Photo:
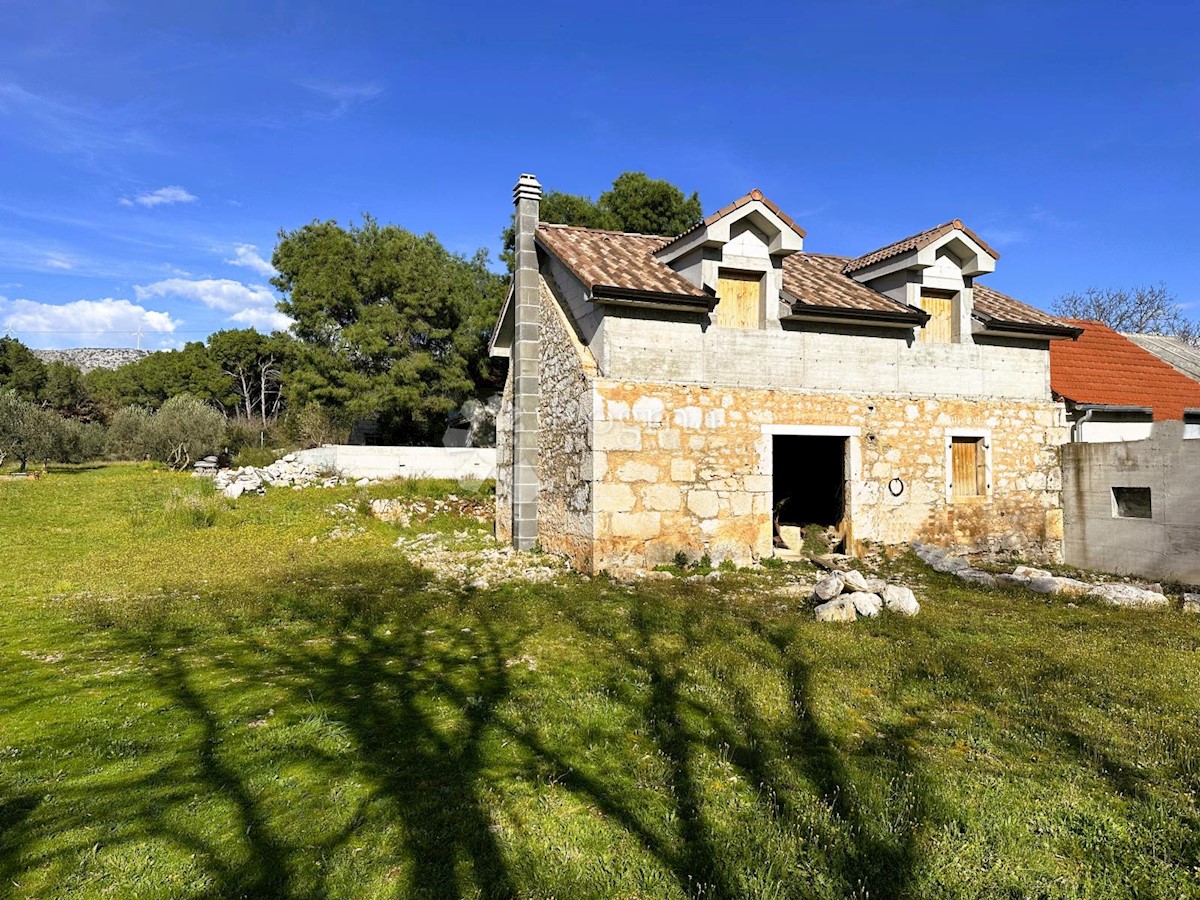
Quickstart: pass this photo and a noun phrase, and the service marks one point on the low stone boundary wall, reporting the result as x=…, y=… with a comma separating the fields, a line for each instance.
x=352, y=461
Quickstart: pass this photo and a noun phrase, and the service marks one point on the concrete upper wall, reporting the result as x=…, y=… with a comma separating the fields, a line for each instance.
x=655, y=346
x=632, y=344
x=1167, y=545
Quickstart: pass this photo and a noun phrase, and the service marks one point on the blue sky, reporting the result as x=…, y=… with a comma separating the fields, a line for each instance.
x=150, y=152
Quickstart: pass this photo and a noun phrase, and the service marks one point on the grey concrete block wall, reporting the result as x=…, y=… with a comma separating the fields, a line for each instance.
x=1165, y=546
x=523, y=363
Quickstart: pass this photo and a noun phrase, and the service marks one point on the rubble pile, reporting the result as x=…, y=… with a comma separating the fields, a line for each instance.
x=456, y=558
x=409, y=511
x=843, y=596
x=285, y=472
x=1042, y=581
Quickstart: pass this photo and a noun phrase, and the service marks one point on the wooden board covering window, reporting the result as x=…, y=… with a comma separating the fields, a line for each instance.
x=969, y=471
x=940, y=327
x=739, y=300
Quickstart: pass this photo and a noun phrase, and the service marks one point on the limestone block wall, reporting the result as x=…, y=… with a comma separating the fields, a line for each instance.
x=685, y=467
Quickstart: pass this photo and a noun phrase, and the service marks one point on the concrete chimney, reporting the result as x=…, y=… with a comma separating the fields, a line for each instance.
x=527, y=197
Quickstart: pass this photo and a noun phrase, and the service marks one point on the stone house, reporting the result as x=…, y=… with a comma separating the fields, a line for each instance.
x=688, y=394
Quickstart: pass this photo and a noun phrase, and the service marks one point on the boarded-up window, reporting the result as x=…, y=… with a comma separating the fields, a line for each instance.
x=968, y=473
x=940, y=327
x=739, y=300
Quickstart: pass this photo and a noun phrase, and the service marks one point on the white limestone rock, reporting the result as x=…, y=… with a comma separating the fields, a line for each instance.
x=837, y=610
x=1191, y=603
x=900, y=600
x=1052, y=584
x=875, y=585
x=235, y=490
x=1127, y=595
x=977, y=576
x=1027, y=572
x=792, y=537
x=866, y=604
x=854, y=580
x=829, y=587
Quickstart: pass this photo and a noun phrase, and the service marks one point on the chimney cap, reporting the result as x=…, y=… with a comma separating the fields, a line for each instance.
x=527, y=188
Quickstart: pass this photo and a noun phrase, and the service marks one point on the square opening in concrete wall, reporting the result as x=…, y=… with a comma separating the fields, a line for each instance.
x=1132, y=503
x=809, y=491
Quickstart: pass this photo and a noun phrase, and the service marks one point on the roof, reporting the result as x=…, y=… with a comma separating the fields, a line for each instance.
x=916, y=241
x=615, y=259
x=1000, y=311
x=1175, y=352
x=1104, y=368
x=613, y=264
x=721, y=213
x=815, y=281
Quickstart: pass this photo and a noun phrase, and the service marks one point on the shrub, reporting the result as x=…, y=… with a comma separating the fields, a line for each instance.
x=77, y=442
x=313, y=425
x=129, y=433
x=185, y=429
x=27, y=432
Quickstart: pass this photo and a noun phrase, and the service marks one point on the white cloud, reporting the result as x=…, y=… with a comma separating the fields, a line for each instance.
x=263, y=319
x=108, y=322
x=249, y=304
x=172, y=193
x=58, y=262
x=224, y=294
x=247, y=256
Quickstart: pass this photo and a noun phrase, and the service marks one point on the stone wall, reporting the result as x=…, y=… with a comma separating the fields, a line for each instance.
x=632, y=470
x=690, y=468
x=564, y=437
x=504, y=462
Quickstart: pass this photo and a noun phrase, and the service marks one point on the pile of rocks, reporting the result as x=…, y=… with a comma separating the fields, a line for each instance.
x=458, y=558
x=286, y=472
x=1042, y=581
x=406, y=512
x=846, y=595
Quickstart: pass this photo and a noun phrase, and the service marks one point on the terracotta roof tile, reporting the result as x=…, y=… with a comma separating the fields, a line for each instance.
x=916, y=242
x=816, y=280
x=615, y=259
x=1103, y=368
x=995, y=308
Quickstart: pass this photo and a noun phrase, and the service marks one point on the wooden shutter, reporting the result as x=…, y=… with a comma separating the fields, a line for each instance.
x=969, y=467
x=940, y=327
x=739, y=300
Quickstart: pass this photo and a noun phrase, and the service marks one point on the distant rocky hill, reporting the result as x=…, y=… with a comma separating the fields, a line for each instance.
x=88, y=358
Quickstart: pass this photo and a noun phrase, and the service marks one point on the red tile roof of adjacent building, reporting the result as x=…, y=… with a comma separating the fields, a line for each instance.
x=1104, y=368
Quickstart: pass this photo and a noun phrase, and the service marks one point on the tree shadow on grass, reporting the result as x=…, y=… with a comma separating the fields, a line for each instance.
x=418, y=677
x=862, y=853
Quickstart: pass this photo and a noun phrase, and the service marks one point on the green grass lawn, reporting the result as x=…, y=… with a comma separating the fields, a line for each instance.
x=268, y=699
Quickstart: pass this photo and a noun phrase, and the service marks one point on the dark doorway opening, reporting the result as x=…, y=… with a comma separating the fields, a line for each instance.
x=809, y=481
